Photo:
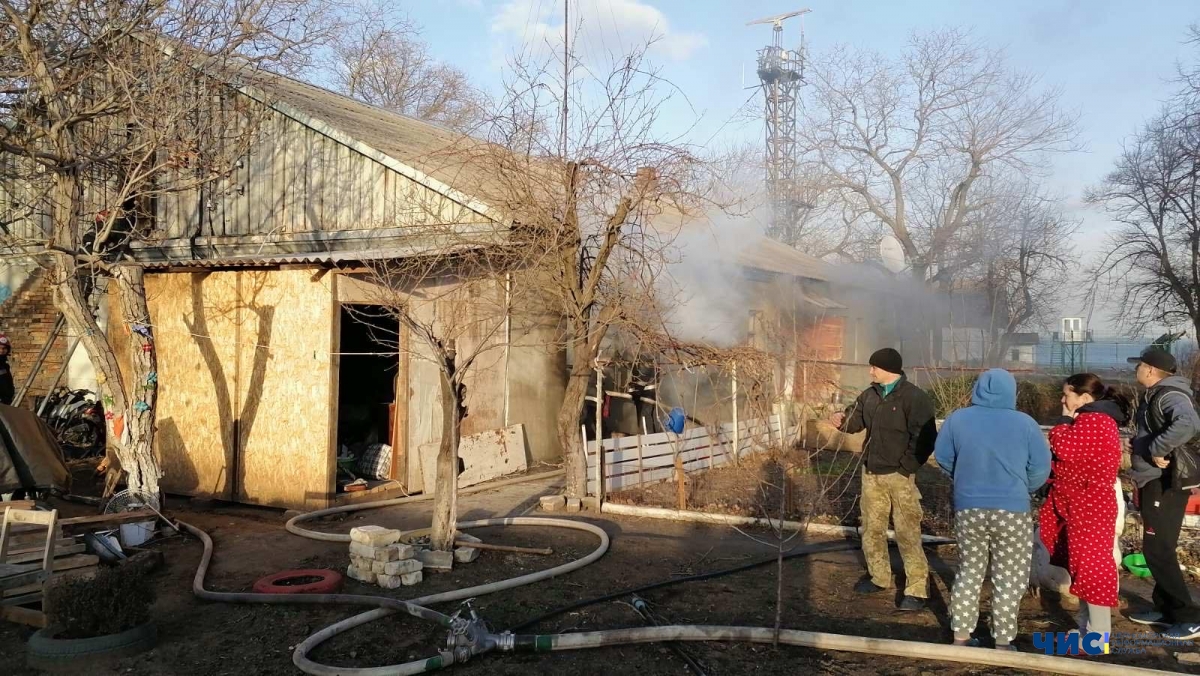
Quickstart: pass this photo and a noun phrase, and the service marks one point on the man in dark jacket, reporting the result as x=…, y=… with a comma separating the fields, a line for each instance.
x=899, y=420
x=1163, y=466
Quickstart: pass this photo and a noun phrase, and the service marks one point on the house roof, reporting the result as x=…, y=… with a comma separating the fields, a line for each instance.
x=441, y=159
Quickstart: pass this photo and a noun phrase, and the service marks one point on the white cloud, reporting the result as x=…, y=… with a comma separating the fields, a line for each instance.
x=601, y=28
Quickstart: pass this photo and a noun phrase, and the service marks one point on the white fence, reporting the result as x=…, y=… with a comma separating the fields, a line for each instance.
x=645, y=459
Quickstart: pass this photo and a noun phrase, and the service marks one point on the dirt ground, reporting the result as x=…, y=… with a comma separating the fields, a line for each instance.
x=204, y=638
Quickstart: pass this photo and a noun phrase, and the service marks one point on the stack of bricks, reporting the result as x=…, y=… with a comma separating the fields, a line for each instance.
x=378, y=557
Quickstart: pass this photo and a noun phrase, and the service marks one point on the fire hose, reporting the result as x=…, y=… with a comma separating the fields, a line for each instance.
x=468, y=635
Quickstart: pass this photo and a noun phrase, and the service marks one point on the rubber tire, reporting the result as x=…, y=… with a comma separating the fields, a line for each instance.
x=44, y=651
x=330, y=582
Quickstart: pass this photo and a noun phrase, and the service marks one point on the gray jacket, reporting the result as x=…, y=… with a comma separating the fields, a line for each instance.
x=1182, y=423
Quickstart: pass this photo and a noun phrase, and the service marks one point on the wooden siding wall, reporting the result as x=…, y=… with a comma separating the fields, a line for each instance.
x=296, y=180
x=245, y=384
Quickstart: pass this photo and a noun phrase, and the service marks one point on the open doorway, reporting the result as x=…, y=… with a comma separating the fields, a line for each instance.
x=367, y=373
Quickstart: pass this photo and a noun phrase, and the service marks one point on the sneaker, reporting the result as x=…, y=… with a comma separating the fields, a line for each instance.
x=1184, y=631
x=912, y=603
x=866, y=586
x=1007, y=646
x=1149, y=617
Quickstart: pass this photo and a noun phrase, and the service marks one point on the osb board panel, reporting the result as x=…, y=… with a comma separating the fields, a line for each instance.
x=194, y=319
x=286, y=327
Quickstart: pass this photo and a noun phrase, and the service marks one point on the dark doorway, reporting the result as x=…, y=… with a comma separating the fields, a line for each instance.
x=366, y=378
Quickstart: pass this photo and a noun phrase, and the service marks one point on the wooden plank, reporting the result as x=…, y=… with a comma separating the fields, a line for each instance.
x=26, y=616
x=28, y=555
x=101, y=521
x=31, y=516
x=19, y=504
x=76, y=574
x=38, y=540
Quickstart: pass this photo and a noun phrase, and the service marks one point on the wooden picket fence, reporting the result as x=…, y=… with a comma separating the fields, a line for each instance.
x=646, y=459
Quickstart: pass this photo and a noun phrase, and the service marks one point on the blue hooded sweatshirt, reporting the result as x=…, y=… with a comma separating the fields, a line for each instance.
x=996, y=454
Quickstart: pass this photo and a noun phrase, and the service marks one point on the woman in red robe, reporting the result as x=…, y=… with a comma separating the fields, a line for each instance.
x=1078, y=519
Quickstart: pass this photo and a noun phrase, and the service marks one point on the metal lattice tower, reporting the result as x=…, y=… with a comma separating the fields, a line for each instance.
x=782, y=73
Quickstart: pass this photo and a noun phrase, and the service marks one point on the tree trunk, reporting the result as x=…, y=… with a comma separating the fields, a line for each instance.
x=574, y=454
x=128, y=404
x=445, y=497
x=135, y=446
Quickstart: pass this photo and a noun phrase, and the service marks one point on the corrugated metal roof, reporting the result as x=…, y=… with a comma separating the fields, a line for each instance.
x=766, y=254
x=320, y=258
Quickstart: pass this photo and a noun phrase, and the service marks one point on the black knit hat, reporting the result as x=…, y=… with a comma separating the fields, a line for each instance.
x=1158, y=358
x=888, y=360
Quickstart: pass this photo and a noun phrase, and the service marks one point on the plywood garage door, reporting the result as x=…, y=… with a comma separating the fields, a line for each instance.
x=245, y=381
x=286, y=323
x=194, y=317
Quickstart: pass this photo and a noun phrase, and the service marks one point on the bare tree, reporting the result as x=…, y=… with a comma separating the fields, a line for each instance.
x=380, y=59
x=1024, y=258
x=908, y=140
x=577, y=160
x=454, y=304
x=1153, y=193
x=103, y=106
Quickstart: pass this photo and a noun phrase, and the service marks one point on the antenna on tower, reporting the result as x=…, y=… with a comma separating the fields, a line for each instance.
x=782, y=73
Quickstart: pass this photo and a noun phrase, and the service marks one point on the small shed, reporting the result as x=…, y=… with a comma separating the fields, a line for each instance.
x=266, y=369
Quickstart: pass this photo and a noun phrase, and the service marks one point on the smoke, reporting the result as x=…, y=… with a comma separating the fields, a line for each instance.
x=706, y=296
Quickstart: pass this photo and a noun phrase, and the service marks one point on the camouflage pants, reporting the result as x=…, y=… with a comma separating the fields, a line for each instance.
x=893, y=497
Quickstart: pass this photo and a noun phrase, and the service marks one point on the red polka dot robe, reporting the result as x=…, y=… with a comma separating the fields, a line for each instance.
x=1078, y=520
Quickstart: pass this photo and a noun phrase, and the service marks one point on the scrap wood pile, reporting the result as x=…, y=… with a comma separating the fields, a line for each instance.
x=38, y=548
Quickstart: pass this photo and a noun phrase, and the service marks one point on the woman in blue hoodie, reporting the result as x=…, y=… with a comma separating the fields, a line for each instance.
x=997, y=456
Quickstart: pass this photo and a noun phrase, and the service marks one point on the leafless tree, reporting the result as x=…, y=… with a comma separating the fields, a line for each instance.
x=908, y=140
x=454, y=304
x=380, y=59
x=577, y=159
x=1153, y=257
x=1025, y=256
x=105, y=105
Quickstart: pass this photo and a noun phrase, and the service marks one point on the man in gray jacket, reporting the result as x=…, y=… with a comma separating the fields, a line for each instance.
x=1163, y=466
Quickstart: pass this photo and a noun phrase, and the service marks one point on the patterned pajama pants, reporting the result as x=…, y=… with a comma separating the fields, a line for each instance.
x=1006, y=539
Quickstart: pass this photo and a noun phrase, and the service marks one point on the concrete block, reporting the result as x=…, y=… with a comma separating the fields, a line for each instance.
x=466, y=554
x=402, y=567
x=591, y=503
x=374, y=536
x=363, y=564
x=436, y=561
x=553, y=503
x=389, y=581
x=362, y=551
x=409, y=579
x=396, y=552
x=377, y=567
x=361, y=575
x=574, y=504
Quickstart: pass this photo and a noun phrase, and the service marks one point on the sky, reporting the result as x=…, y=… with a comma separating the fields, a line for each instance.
x=1113, y=60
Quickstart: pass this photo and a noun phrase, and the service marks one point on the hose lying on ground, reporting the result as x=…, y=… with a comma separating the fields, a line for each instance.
x=469, y=636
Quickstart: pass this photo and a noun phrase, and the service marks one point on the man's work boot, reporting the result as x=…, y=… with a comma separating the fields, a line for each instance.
x=866, y=586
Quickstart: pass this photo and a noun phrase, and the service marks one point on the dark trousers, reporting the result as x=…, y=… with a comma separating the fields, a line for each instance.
x=7, y=391
x=1163, y=508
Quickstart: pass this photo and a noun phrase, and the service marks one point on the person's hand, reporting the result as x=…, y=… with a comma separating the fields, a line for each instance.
x=837, y=418
x=1161, y=463
x=1067, y=412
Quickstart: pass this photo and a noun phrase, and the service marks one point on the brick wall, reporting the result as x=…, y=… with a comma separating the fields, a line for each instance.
x=27, y=317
